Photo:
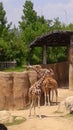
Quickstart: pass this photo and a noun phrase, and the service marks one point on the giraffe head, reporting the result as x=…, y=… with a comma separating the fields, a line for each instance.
x=48, y=72
x=51, y=72
x=34, y=67
x=37, y=66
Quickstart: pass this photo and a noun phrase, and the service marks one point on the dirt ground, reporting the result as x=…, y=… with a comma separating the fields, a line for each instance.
x=50, y=119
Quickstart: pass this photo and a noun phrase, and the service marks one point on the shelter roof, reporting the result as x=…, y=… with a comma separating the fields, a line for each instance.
x=56, y=38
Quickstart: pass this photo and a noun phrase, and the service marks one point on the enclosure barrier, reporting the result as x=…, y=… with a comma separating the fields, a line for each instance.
x=14, y=86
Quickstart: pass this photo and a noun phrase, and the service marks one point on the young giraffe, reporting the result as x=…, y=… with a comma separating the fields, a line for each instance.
x=35, y=92
x=45, y=89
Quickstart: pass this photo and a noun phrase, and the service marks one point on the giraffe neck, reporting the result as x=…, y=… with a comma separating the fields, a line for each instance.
x=39, y=72
x=40, y=81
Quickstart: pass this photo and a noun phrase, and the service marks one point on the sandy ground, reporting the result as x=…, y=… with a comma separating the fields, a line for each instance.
x=50, y=119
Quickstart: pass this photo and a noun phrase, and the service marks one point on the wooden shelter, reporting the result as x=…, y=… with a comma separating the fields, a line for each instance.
x=57, y=39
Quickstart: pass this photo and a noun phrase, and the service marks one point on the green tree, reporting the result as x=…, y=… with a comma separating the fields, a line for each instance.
x=56, y=54
x=32, y=25
x=56, y=24
x=4, y=27
x=11, y=44
x=3, y=34
x=19, y=51
x=70, y=26
x=29, y=15
x=3, y=50
x=4, y=30
x=17, y=47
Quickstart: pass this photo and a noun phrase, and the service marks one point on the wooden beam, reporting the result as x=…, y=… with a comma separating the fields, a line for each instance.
x=44, y=54
x=71, y=64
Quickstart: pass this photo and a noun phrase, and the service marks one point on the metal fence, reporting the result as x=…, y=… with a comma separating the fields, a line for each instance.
x=7, y=64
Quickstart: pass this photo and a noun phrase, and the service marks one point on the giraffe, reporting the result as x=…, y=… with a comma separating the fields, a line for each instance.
x=40, y=72
x=51, y=84
x=35, y=93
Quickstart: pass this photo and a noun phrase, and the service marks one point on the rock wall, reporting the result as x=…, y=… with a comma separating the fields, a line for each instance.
x=14, y=86
x=20, y=89
x=6, y=90
x=71, y=77
x=71, y=68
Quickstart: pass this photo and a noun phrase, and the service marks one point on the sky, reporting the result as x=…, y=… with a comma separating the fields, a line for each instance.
x=50, y=9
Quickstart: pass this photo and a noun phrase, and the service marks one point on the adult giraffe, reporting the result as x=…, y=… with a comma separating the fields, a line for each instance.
x=35, y=92
x=50, y=84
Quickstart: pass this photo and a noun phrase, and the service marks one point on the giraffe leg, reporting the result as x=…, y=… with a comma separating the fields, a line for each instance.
x=56, y=96
x=34, y=103
x=52, y=94
x=45, y=98
x=49, y=92
x=31, y=105
x=48, y=99
x=39, y=106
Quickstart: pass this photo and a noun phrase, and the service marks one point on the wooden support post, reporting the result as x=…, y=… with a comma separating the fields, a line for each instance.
x=44, y=55
x=71, y=65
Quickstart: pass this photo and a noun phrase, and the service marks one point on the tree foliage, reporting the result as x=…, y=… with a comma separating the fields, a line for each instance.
x=4, y=27
x=4, y=47
x=31, y=24
x=14, y=43
x=11, y=44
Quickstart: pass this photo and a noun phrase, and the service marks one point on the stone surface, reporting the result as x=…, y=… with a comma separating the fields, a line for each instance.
x=6, y=90
x=66, y=105
x=5, y=117
x=20, y=89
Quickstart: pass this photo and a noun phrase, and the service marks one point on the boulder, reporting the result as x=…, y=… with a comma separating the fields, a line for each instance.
x=66, y=105
x=6, y=117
